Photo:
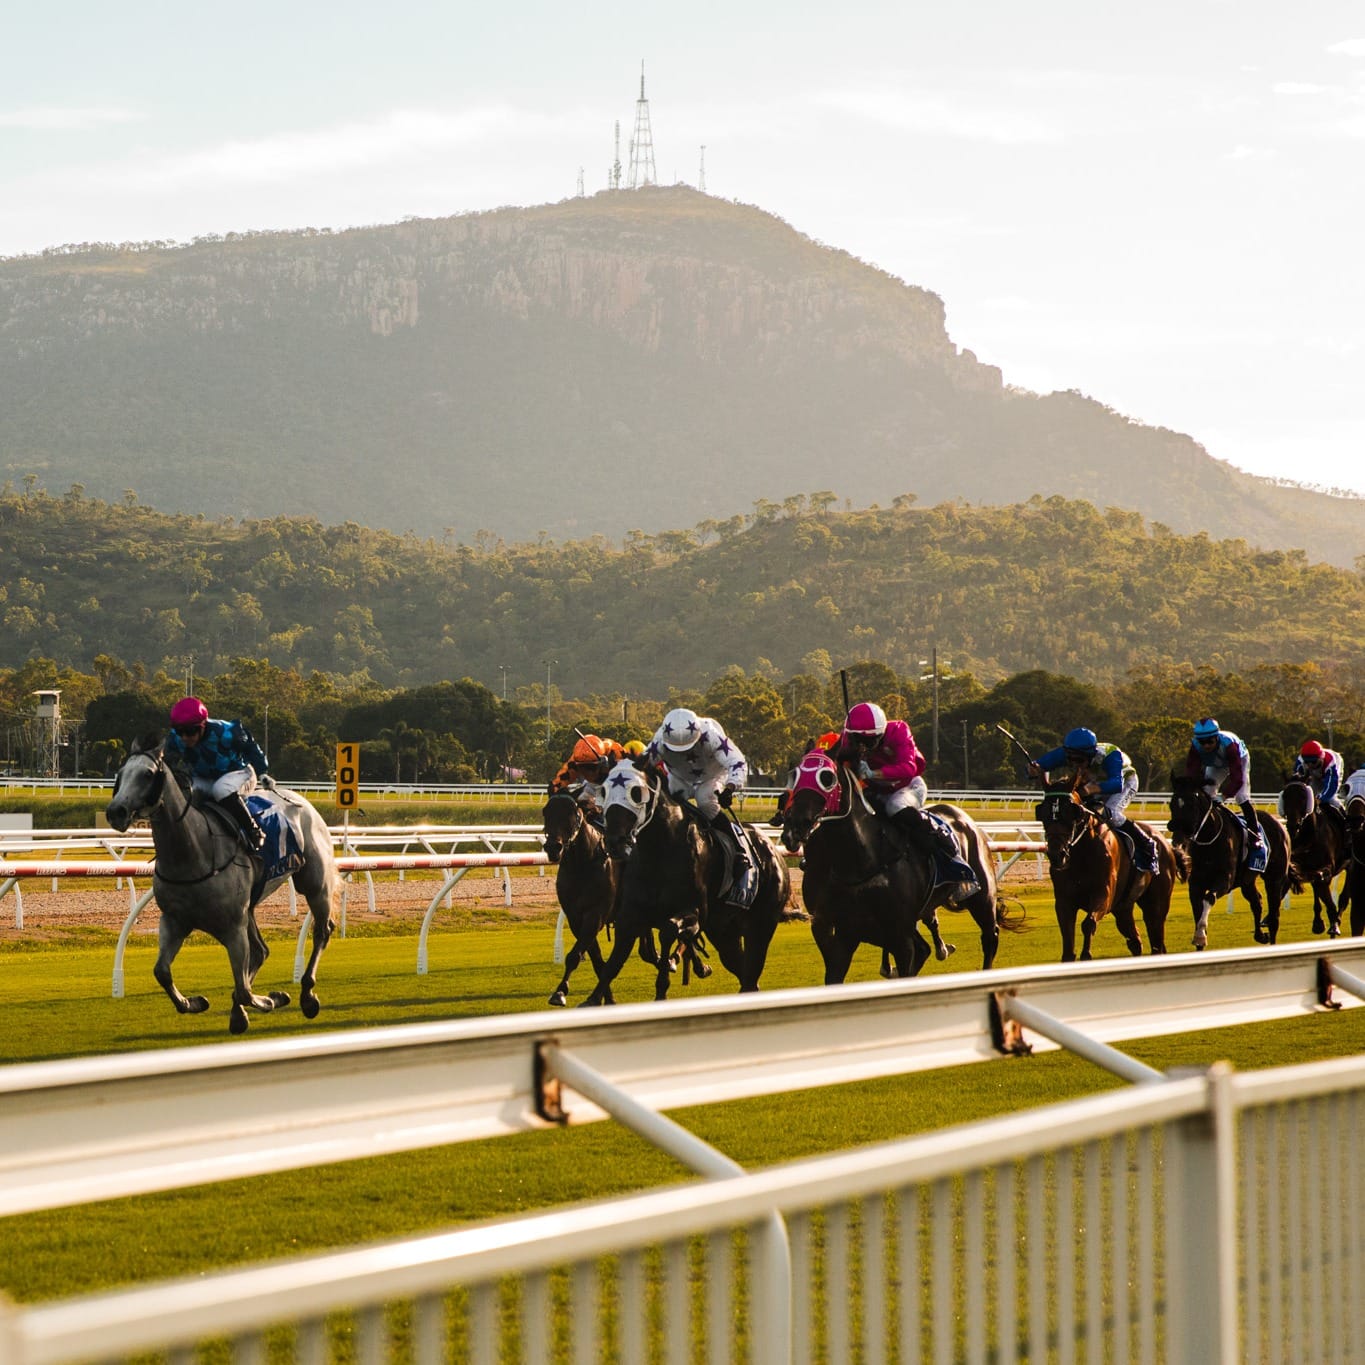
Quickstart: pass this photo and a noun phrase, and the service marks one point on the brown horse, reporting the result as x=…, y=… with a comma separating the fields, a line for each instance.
x=1212, y=836
x=1093, y=875
x=586, y=882
x=1317, y=849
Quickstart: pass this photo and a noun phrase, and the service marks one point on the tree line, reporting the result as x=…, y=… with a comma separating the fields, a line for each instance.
x=464, y=731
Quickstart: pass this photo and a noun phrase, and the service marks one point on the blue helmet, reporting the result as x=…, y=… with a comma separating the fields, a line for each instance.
x=1208, y=728
x=1080, y=743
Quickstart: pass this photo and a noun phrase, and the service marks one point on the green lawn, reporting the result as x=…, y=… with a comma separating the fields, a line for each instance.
x=56, y=1003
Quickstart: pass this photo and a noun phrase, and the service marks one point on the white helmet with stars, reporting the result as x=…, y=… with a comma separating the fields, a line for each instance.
x=681, y=729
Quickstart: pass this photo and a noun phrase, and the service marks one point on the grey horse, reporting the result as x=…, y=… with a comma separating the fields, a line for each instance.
x=204, y=879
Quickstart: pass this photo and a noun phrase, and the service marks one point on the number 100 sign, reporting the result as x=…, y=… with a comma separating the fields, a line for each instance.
x=348, y=776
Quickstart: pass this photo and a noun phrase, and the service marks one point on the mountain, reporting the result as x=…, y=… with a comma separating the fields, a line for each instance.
x=643, y=359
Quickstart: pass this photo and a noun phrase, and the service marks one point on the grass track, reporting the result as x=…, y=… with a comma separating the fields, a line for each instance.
x=56, y=1003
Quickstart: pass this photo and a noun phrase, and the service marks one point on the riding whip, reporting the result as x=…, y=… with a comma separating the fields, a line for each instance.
x=1028, y=757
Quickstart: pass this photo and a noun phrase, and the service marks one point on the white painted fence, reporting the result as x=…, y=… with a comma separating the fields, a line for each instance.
x=1208, y=1218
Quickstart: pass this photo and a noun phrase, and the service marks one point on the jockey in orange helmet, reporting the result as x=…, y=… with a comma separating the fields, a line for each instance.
x=586, y=769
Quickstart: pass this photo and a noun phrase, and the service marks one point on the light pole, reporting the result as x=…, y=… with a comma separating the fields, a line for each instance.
x=933, y=664
x=267, y=731
x=504, y=681
x=966, y=772
x=1329, y=720
x=548, y=663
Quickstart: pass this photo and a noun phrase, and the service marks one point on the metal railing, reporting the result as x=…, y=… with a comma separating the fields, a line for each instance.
x=1202, y=1218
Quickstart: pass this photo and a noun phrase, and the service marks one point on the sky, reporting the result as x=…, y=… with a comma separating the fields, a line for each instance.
x=1159, y=205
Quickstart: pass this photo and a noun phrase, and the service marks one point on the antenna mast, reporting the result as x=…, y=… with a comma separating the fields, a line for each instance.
x=614, y=173
x=701, y=174
x=580, y=182
x=642, y=170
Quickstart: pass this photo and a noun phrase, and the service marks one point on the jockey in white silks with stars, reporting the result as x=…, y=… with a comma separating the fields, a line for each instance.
x=704, y=765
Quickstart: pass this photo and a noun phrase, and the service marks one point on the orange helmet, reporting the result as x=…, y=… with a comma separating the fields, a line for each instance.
x=588, y=749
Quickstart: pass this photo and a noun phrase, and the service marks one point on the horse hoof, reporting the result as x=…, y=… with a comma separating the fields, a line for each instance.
x=1318, y=926
x=278, y=998
x=1134, y=947
x=703, y=970
x=1261, y=936
x=1334, y=931
x=1199, y=941
x=559, y=999
x=238, y=1023
x=196, y=1004
x=310, y=1005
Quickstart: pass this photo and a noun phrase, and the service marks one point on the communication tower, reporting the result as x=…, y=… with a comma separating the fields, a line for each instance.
x=642, y=170
x=701, y=173
x=580, y=182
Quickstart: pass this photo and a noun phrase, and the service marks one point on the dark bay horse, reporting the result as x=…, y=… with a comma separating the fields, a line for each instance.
x=1317, y=850
x=863, y=885
x=1212, y=837
x=586, y=883
x=1353, y=892
x=672, y=881
x=205, y=879
x=1093, y=875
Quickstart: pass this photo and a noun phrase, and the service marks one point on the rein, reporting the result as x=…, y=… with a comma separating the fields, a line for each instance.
x=158, y=803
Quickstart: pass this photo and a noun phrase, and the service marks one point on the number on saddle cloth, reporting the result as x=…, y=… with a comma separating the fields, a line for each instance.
x=1254, y=852
x=739, y=884
x=282, y=855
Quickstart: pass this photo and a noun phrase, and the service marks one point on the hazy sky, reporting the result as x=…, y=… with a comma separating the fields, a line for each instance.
x=1160, y=205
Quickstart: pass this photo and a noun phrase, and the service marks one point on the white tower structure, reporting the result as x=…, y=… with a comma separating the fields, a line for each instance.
x=642, y=170
x=701, y=173
x=614, y=174
x=49, y=728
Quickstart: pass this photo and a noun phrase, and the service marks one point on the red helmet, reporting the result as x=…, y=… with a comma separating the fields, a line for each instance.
x=866, y=722
x=188, y=711
x=1312, y=750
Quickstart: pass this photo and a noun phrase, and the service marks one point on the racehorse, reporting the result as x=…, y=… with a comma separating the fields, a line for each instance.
x=1353, y=892
x=673, y=881
x=1093, y=875
x=206, y=879
x=862, y=884
x=1212, y=837
x=586, y=883
x=1317, y=849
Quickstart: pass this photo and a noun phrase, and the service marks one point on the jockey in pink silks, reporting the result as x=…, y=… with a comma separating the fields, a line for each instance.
x=884, y=754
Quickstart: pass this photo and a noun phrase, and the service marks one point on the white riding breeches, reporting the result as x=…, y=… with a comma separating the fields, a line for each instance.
x=706, y=795
x=914, y=793
x=242, y=780
x=1116, y=802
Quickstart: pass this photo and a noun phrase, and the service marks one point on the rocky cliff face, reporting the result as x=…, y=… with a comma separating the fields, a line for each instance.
x=637, y=359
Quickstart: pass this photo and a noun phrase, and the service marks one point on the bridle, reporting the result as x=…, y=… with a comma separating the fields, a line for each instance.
x=1082, y=822
x=157, y=760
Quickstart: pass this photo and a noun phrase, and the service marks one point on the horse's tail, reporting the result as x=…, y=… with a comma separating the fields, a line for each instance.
x=793, y=914
x=1182, y=861
x=1010, y=920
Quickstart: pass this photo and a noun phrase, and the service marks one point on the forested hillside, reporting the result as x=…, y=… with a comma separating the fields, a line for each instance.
x=1050, y=584
x=646, y=359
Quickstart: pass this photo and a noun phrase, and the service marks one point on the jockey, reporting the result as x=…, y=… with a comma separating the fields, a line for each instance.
x=886, y=757
x=633, y=748
x=1354, y=786
x=224, y=762
x=705, y=766
x=1105, y=774
x=1321, y=768
x=585, y=771
x=1221, y=760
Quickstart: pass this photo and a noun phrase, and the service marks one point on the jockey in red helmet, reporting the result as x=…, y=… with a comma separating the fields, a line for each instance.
x=1322, y=769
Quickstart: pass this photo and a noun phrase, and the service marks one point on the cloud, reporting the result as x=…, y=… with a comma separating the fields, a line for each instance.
x=54, y=118
x=1350, y=47
x=935, y=114
x=1299, y=88
x=401, y=136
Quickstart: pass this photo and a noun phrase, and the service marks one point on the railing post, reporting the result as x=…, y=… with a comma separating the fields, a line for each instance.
x=1201, y=1228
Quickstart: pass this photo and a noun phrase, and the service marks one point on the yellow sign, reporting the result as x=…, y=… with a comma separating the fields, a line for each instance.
x=348, y=776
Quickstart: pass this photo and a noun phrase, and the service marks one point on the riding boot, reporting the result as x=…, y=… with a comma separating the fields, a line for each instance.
x=1144, y=846
x=235, y=805
x=742, y=878
x=1256, y=846
x=939, y=844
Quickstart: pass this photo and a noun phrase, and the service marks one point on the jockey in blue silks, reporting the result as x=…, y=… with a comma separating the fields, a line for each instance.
x=1321, y=768
x=1220, y=760
x=1107, y=776
x=224, y=762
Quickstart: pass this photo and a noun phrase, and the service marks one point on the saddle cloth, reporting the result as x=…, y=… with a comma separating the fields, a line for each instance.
x=739, y=881
x=1254, y=855
x=282, y=823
